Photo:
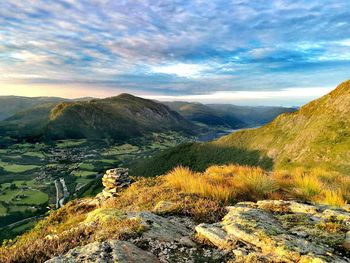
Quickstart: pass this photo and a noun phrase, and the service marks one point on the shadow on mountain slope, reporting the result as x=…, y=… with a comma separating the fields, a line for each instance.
x=199, y=156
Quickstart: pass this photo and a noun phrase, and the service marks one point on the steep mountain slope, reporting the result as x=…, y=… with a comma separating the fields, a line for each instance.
x=9, y=105
x=28, y=123
x=251, y=115
x=316, y=135
x=203, y=114
x=121, y=117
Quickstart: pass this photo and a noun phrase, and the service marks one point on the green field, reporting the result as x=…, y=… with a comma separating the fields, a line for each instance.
x=34, y=154
x=87, y=166
x=29, y=197
x=70, y=143
x=83, y=173
x=17, y=168
x=3, y=210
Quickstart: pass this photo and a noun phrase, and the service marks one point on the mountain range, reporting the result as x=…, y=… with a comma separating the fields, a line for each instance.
x=227, y=115
x=317, y=135
x=121, y=117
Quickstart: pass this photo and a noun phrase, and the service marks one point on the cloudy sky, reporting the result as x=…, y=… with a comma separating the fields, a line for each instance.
x=283, y=52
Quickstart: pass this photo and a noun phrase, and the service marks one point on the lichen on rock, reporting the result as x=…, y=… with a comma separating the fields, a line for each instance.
x=281, y=231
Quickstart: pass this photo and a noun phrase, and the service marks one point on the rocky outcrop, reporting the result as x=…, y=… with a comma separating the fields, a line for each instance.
x=162, y=239
x=114, y=180
x=165, y=207
x=171, y=239
x=108, y=252
x=281, y=231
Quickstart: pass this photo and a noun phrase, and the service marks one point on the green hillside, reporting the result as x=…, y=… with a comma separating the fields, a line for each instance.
x=317, y=135
x=27, y=123
x=10, y=105
x=251, y=115
x=119, y=118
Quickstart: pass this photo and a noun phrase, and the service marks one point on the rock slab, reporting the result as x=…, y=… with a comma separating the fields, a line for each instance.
x=108, y=252
x=281, y=231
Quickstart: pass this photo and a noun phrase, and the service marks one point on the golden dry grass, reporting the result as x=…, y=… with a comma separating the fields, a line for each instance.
x=224, y=183
x=316, y=185
x=230, y=183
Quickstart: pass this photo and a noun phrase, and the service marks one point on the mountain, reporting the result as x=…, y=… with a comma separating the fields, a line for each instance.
x=121, y=117
x=10, y=105
x=317, y=135
x=227, y=115
x=28, y=123
x=201, y=113
x=251, y=115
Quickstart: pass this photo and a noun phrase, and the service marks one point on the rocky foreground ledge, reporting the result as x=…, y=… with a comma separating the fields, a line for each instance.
x=265, y=231
x=281, y=231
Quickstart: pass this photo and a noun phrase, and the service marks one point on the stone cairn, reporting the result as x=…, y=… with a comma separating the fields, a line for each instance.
x=114, y=180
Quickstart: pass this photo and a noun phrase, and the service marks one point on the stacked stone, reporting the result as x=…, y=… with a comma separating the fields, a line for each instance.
x=114, y=180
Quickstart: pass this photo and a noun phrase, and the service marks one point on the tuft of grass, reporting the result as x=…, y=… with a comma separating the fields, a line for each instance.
x=333, y=198
x=208, y=185
x=224, y=183
x=146, y=193
x=255, y=184
x=307, y=185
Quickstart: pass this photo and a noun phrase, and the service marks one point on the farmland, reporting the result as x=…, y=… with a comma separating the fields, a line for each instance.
x=33, y=176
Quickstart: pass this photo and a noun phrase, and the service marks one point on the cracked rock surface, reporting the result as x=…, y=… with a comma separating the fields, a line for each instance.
x=109, y=252
x=281, y=231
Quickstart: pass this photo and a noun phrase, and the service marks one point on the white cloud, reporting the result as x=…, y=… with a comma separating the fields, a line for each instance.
x=181, y=69
x=262, y=97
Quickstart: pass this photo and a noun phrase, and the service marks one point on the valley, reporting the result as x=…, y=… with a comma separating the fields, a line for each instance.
x=35, y=178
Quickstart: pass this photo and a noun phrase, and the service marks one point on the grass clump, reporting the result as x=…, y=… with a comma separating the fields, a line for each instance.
x=308, y=185
x=225, y=183
x=315, y=185
x=65, y=229
x=146, y=193
x=229, y=183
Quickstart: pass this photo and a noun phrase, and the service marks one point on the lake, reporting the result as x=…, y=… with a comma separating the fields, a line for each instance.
x=210, y=136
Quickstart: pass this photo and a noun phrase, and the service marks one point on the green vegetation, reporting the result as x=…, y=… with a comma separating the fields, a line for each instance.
x=70, y=143
x=3, y=210
x=117, y=118
x=16, y=168
x=78, y=162
x=317, y=135
x=206, y=115
x=10, y=105
x=34, y=154
x=198, y=156
x=83, y=173
x=253, y=116
x=229, y=116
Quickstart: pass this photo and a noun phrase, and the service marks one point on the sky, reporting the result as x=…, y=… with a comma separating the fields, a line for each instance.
x=275, y=52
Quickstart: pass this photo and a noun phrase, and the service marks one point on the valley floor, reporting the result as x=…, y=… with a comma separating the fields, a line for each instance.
x=33, y=176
